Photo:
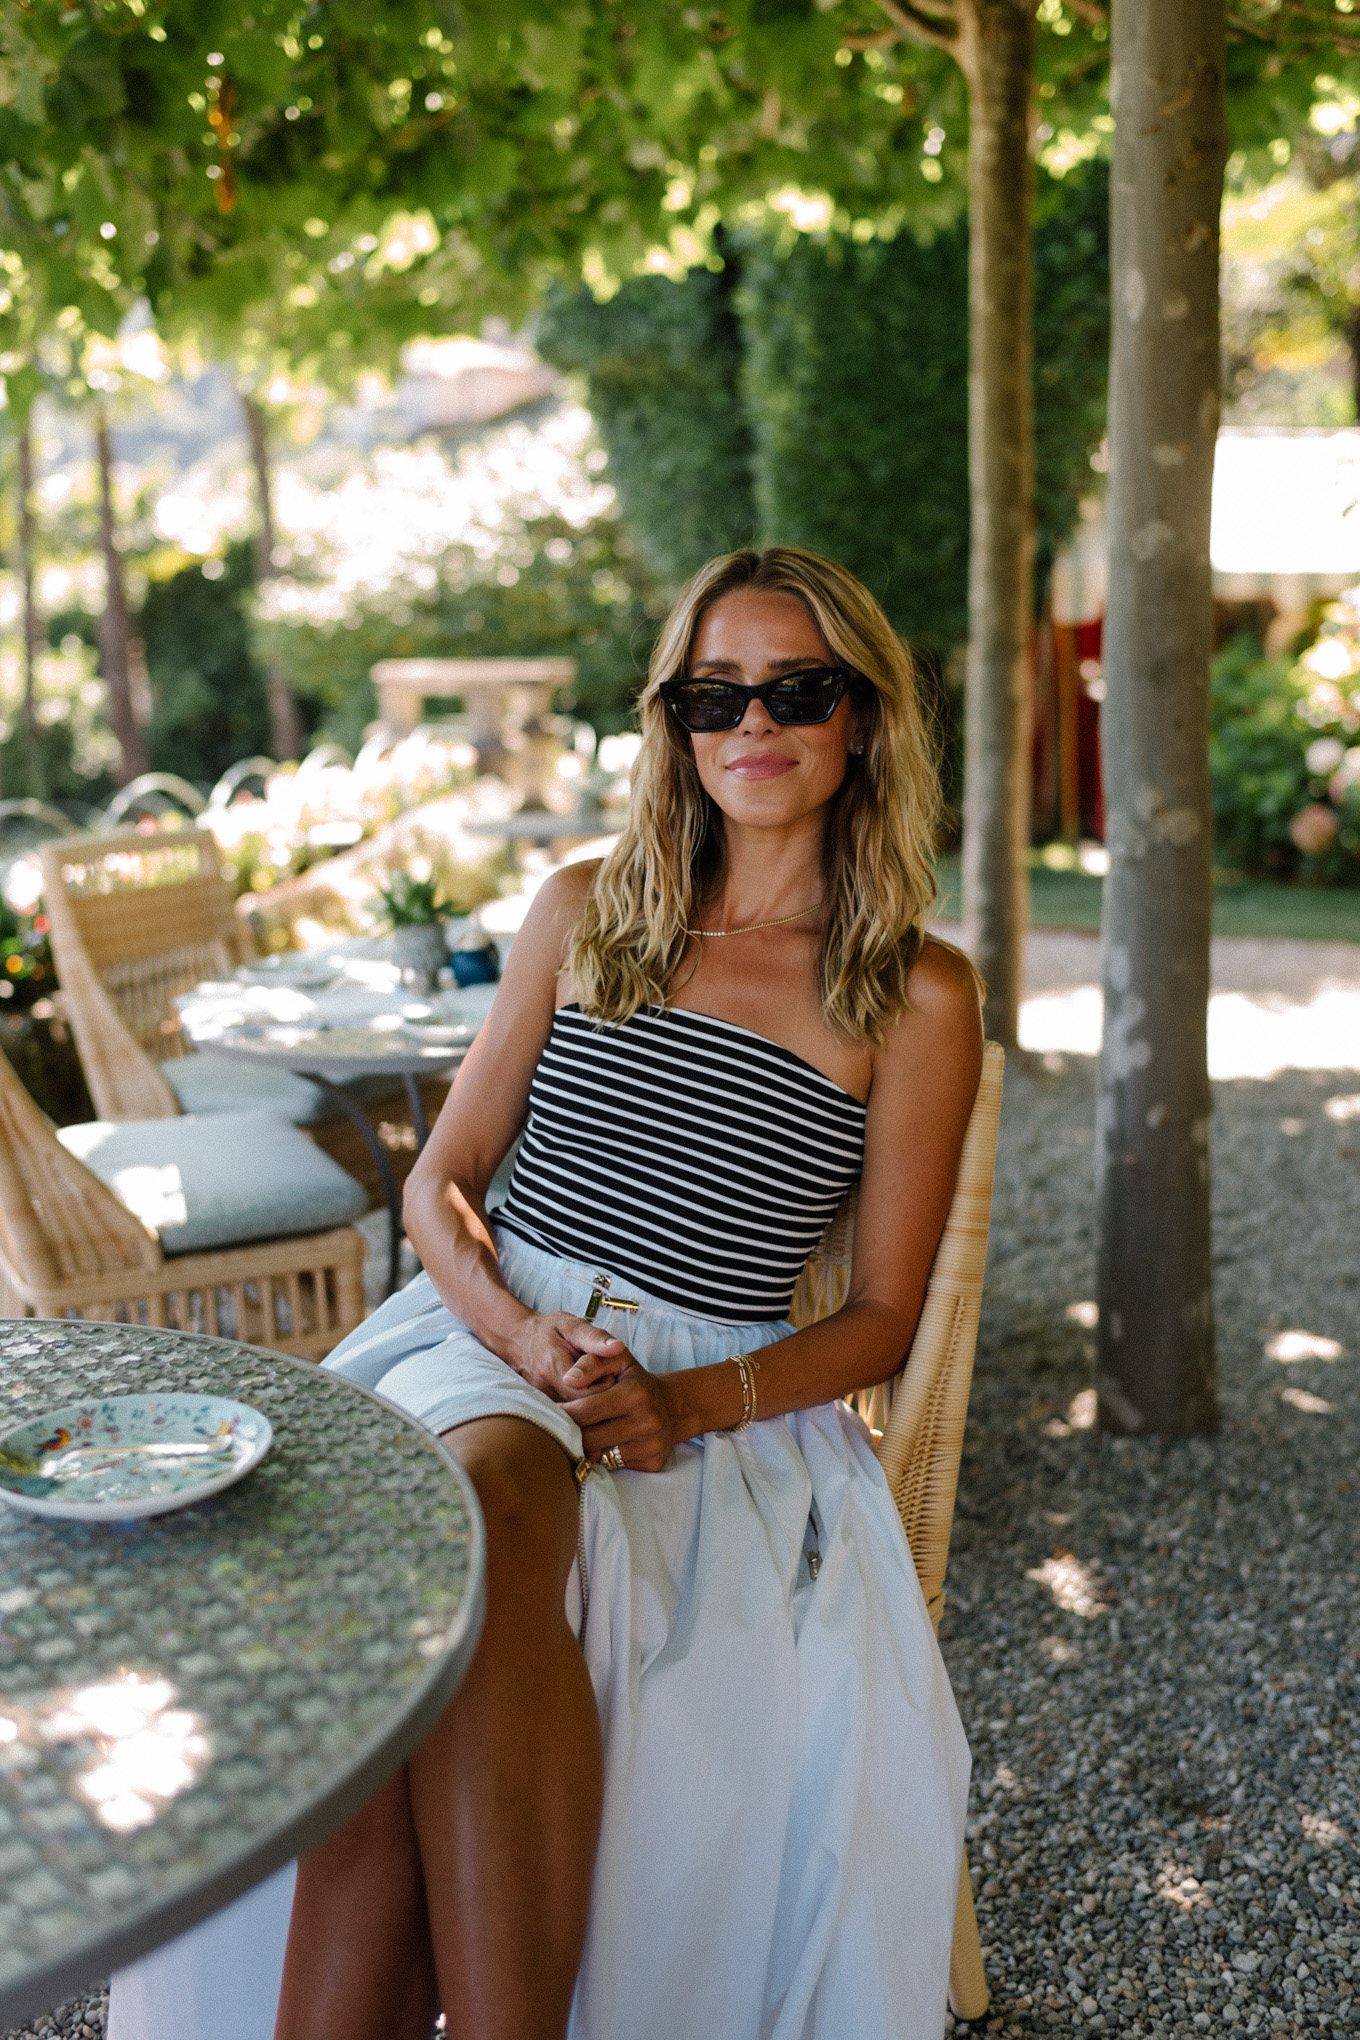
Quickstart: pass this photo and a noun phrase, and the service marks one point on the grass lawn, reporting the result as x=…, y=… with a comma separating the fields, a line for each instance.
x=1069, y=899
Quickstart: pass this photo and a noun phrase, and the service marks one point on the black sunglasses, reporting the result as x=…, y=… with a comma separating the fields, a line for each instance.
x=811, y=695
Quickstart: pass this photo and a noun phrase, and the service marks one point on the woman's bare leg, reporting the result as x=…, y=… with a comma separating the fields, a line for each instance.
x=506, y=1789
x=359, y=1963
x=486, y=1842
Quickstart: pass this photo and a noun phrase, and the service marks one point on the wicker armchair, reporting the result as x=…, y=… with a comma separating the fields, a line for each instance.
x=920, y=1414
x=68, y=1247
x=136, y=919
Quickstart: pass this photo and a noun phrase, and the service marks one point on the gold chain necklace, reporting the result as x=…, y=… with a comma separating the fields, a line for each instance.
x=717, y=934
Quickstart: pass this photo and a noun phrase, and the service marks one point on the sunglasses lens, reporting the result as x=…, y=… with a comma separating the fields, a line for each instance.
x=806, y=697
x=709, y=705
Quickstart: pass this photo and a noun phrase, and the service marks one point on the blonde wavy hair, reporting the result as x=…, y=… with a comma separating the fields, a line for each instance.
x=879, y=849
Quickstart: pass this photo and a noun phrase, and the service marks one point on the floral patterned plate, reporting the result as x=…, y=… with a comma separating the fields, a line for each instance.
x=130, y=1455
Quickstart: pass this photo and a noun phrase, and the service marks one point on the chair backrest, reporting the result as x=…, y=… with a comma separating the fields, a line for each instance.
x=58, y=1221
x=136, y=919
x=921, y=1413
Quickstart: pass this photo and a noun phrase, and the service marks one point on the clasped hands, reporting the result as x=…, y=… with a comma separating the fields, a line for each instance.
x=615, y=1402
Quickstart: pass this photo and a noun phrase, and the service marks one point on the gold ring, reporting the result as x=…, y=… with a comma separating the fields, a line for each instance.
x=613, y=1459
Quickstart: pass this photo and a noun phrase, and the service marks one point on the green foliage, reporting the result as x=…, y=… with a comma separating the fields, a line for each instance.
x=1290, y=291
x=209, y=693
x=520, y=140
x=855, y=378
x=36, y=1040
x=553, y=591
x=1256, y=759
x=1274, y=56
x=832, y=410
x=49, y=769
x=856, y=374
x=663, y=363
x=1259, y=741
x=27, y=972
x=1071, y=345
x=409, y=902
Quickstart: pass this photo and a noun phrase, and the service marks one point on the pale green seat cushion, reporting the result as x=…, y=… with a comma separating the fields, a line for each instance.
x=219, y=1180
x=209, y=1082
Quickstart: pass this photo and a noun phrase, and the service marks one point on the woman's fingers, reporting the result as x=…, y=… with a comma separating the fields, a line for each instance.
x=592, y=1373
x=643, y=1449
x=610, y=1401
x=567, y=1356
x=631, y=1417
x=585, y=1337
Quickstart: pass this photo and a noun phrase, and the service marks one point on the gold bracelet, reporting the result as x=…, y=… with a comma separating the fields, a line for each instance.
x=746, y=1367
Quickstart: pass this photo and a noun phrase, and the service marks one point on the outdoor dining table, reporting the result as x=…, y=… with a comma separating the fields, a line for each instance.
x=334, y=1035
x=188, y=1701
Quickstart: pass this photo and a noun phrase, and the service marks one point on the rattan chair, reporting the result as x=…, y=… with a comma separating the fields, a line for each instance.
x=919, y=1416
x=136, y=919
x=68, y=1247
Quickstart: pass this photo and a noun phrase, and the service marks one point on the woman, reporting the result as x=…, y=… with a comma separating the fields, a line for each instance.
x=705, y=1776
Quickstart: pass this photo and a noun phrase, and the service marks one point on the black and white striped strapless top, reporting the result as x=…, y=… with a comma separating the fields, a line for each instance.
x=684, y=1153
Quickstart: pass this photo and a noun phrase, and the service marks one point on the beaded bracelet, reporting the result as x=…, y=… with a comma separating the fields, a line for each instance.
x=746, y=1367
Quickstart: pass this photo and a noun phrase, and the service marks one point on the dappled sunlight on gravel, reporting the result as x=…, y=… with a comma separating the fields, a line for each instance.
x=1155, y=1650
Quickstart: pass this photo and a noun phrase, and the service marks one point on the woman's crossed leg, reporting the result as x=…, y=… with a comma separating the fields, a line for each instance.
x=465, y=1881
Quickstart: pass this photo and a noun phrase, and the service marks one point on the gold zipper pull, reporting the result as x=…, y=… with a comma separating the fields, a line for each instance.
x=603, y=1298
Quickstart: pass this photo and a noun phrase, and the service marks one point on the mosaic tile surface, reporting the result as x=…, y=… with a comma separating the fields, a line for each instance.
x=173, y=1688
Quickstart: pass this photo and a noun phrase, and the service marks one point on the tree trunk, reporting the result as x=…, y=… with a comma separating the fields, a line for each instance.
x=1156, y=1353
x=285, y=729
x=996, y=54
x=115, y=630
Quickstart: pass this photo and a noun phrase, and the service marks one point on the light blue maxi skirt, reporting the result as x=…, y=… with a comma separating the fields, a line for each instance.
x=785, y=1770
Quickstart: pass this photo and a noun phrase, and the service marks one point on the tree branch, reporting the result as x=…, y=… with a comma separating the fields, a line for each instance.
x=934, y=22
x=1291, y=24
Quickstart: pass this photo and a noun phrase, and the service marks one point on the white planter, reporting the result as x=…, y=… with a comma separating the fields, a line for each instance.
x=420, y=953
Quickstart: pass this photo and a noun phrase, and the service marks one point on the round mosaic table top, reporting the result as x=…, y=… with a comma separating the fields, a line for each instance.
x=188, y=1701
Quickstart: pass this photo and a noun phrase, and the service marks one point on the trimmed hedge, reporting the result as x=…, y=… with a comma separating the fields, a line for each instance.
x=663, y=363
x=816, y=393
x=207, y=687
x=856, y=382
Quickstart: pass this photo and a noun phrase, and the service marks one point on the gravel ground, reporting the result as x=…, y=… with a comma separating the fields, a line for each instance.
x=81, y=2018
x=1155, y=1650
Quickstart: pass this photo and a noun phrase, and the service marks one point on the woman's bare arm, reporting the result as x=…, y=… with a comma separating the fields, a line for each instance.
x=445, y=1194
x=924, y=1083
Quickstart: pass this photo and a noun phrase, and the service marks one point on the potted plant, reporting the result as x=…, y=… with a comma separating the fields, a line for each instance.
x=417, y=927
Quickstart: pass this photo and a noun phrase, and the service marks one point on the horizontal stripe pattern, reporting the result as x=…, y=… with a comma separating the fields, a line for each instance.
x=686, y=1154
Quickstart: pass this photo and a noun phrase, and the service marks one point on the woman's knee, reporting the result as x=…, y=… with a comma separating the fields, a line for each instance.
x=526, y=1490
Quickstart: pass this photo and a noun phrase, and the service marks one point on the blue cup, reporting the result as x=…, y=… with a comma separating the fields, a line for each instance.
x=480, y=966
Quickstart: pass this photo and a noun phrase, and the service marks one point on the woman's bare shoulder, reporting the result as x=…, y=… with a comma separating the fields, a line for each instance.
x=939, y=1030
x=573, y=881
x=943, y=985
x=545, y=936
x=558, y=902
x=926, y=1074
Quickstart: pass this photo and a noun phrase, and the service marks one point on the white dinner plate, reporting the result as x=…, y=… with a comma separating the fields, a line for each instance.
x=302, y=973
